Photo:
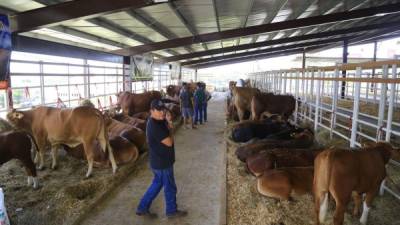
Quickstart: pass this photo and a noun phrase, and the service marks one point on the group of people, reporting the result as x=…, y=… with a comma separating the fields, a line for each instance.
x=194, y=105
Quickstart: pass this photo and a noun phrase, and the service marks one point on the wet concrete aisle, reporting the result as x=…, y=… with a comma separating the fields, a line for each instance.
x=200, y=177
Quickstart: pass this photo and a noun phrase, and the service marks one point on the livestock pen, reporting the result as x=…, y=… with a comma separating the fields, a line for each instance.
x=357, y=102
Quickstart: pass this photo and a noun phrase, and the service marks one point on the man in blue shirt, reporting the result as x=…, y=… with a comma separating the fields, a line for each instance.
x=162, y=157
x=186, y=106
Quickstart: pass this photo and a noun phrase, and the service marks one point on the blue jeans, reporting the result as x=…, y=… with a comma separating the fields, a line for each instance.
x=205, y=111
x=198, y=113
x=162, y=178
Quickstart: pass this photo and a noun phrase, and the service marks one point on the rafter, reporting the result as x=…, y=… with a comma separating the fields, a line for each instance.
x=78, y=9
x=268, y=50
x=303, y=22
x=349, y=31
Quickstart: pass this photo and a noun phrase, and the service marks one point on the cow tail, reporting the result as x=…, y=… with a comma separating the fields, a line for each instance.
x=36, y=150
x=105, y=143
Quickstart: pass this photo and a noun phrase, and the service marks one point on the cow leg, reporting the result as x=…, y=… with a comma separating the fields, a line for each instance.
x=240, y=114
x=341, y=203
x=88, y=148
x=357, y=203
x=41, y=143
x=321, y=206
x=31, y=172
x=54, y=153
x=367, y=205
x=111, y=157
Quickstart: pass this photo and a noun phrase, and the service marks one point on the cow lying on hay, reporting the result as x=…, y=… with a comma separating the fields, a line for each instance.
x=55, y=127
x=302, y=139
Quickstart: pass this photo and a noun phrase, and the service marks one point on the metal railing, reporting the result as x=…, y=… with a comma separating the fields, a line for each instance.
x=347, y=100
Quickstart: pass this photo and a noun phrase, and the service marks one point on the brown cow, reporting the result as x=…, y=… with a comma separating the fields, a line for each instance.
x=283, y=182
x=241, y=99
x=17, y=145
x=135, y=135
x=135, y=103
x=173, y=90
x=301, y=140
x=124, y=152
x=174, y=109
x=141, y=115
x=56, y=127
x=339, y=172
x=277, y=158
x=283, y=105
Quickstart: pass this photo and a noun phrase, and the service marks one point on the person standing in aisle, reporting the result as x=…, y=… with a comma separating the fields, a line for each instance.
x=205, y=103
x=159, y=135
x=199, y=98
x=185, y=99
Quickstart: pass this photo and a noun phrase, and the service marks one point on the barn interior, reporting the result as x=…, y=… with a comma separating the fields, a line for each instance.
x=336, y=59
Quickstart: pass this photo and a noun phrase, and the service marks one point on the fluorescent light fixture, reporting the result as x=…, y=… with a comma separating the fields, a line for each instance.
x=160, y=1
x=381, y=14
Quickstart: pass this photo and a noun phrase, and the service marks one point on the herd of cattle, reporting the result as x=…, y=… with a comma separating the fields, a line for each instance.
x=286, y=161
x=102, y=138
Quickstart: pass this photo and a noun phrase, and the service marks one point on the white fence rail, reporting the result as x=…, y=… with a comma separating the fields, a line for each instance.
x=362, y=105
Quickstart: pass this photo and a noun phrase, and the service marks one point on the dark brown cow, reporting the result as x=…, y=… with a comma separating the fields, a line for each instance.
x=281, y=183
x=135, y=103
x=17, y=145
x=141, y=115
x=283, y=105
x=277, y=158
x=132, y=134
x=173, y=90
x=124, y=152
x=55, y=127
x=339, y=172
x=301, y=140
x=174, y=109
x=241, y=99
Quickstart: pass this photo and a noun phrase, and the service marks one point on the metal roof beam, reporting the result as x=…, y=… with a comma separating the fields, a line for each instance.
x=392, y=25
x=269, y=50
x=217, y=18
x=185, y=22
x=110, y=25
x=142, y=16
x=251, y=58
x=78, y=9
x=303, y=22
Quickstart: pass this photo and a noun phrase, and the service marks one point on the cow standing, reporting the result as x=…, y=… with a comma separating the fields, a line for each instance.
x=339, y=172
x=241, y=99
x=135, y=103
x=71, y=127
x=17, y=145
x=283, y=105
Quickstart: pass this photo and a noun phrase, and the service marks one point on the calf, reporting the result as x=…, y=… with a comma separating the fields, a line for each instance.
x=136, y=122
x=132, y=134
x=277, y=158
x=283, y=105
x=242, y=97
x=17, y=145
x=124, y=152
x=339, y=172
x=247, y=130
x=303, y=139
x=283, y=182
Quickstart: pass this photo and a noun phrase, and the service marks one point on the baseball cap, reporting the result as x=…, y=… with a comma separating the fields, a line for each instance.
x=157, y=104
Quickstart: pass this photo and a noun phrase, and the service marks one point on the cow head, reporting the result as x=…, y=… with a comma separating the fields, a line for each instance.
x=18, y=119
x=385, y=149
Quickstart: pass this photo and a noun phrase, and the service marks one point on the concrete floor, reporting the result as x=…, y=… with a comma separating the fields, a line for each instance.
x=200, y=177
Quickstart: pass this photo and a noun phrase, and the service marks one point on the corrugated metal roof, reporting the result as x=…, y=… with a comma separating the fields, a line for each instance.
x=191, y=17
